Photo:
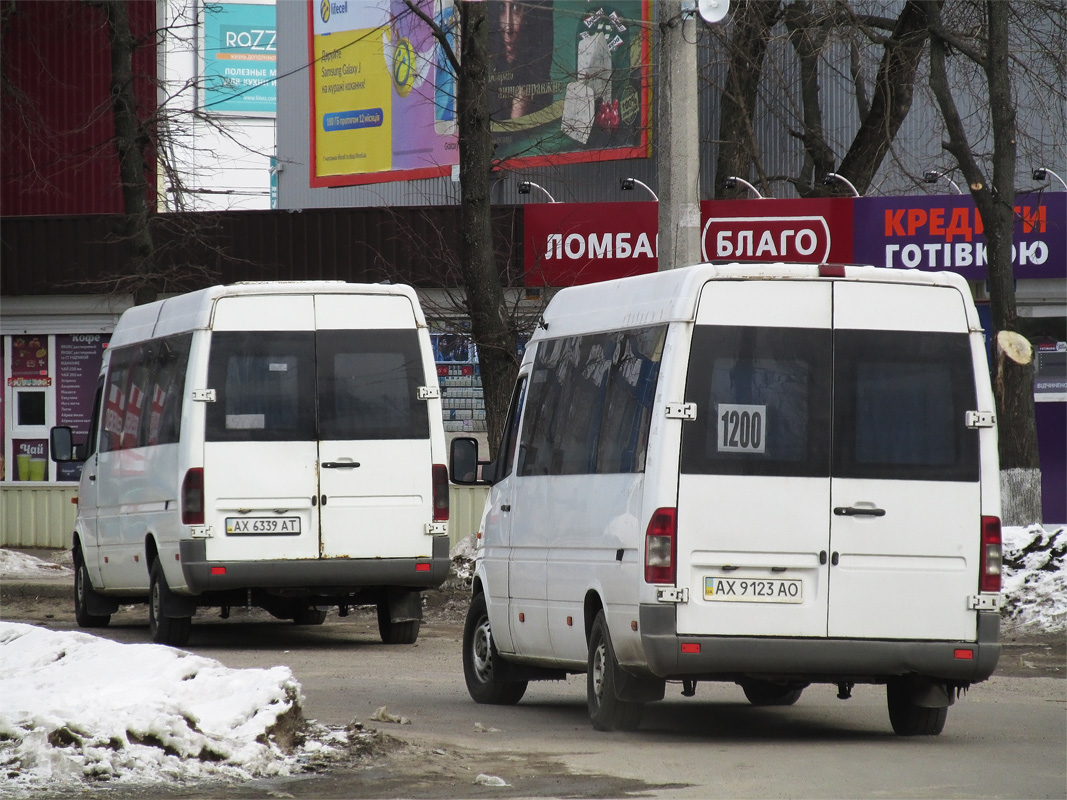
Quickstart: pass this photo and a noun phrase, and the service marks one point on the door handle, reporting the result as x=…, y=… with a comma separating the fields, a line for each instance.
x=854, y=511
x=340, y=464
x=505, y=508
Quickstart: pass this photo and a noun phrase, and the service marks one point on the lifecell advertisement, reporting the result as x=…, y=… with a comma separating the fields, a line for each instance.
x=568, y=82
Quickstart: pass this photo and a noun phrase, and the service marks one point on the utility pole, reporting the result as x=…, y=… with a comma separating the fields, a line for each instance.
x=677, y=141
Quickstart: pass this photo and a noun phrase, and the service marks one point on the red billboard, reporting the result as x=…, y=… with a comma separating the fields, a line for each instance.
x=574, y=243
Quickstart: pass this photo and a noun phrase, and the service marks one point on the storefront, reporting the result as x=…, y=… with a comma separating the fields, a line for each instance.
x=53, y=345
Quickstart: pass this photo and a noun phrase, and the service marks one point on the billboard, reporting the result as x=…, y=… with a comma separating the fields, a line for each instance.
x=945, y=232
x=240, y=59
x=568, y=82
x=567, y=244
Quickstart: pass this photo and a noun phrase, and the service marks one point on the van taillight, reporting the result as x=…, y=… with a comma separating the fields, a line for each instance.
x=440, y=493
x=992, y=556
x=660, y=546
x=193, y=497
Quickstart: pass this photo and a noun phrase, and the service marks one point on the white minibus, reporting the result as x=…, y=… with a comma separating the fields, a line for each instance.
x=772, y=475
x=277, y=445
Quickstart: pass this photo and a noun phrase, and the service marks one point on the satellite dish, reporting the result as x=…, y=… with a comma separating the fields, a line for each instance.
x=713, y=11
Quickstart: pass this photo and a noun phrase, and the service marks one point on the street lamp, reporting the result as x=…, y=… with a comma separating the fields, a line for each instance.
x=833, y=176
x=627, y=185
x=1041, y=174
x=525, y=186
x=932, y=175
x=732, y=181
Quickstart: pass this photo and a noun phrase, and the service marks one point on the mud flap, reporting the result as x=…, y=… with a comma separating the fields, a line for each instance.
x=633, y=689
x=405, y=605
x=928, y=693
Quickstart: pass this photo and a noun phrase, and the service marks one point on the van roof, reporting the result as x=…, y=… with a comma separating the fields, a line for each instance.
x=192, y=311
x=671, y=296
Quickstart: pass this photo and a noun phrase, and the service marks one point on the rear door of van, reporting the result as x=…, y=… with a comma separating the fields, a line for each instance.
x=829, y=486
x=317, y=443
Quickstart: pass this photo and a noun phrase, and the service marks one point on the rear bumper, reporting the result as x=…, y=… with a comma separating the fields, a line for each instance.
x=330, y=575
x=813, y=660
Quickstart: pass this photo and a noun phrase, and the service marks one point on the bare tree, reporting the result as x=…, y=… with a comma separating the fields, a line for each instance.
x=993, y=190
x=492, y=327
x=133, y=145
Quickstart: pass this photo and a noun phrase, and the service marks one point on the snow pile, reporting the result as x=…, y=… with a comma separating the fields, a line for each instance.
x=462, y=556
x=1035, y=583
x=14, y=564
x=79, y=708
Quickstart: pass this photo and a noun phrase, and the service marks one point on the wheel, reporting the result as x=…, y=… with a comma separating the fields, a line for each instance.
x=909, y=719
x=173, y=631
x=479, y=652
x=83, y=588
x=607, y=712
x=309, y=615
x=396, y=632
x=765, y=693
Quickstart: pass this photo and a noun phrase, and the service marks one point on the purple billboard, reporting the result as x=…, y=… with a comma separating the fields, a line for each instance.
x=945, y=232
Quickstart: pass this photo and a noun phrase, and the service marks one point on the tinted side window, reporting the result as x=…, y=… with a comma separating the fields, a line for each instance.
x=900, y=400
x=506, y=456
x=115, y=399
x=264, y=384
x=368, y=385
x=590, y=400
x=763, y=402
x=166, y=390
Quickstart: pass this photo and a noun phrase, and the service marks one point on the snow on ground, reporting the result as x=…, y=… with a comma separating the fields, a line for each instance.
x=1035, y=581
x=76, y=709
x=14, y=564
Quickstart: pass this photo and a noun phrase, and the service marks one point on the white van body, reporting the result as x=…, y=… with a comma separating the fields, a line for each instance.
x=278, y=444
x=775, y=475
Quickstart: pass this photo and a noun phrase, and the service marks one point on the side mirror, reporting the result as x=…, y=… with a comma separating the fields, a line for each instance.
x=62, y=447
x=463, y=461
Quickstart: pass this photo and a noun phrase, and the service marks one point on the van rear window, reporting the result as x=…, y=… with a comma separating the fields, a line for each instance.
x=264, y=386
x=368, y=385
x=900, y=400
x=763, y=402
x=304, y=386
x=811, y=403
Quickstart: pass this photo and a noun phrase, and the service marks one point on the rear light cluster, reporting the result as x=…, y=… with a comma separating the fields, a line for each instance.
x=440, y=493
x=660, y=548
x=193, y=497
x=992, y=556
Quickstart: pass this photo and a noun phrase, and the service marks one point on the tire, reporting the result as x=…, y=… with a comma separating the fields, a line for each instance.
x=606, y=711
x=173, y=631
x=765, y=693
x=479, y=654
x=909, y=719
x=309, y=615
x=396, y=632
x=83, y=589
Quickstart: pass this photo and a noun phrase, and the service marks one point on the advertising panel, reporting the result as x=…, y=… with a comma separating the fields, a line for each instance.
x=240, y=59
x=803, y=231
x=945, y=232
x=78, y=359
x=568, y=244
x=568, y=82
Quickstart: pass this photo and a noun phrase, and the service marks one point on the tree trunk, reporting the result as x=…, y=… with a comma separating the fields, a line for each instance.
x=995, y=201
x=894, y=88
x=131, y=146
x=491, y=326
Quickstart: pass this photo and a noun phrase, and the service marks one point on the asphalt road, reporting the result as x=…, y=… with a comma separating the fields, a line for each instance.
x=1005, y=738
